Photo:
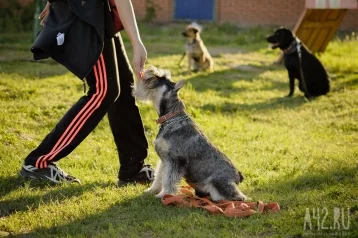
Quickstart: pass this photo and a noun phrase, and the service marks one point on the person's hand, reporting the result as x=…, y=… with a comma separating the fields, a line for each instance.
x=139, y=58
x=44, y=13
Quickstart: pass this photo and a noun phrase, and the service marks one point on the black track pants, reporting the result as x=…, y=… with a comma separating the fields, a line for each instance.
x=109, y=92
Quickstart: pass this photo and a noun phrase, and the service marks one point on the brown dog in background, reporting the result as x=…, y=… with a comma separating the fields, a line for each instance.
x=198, y=55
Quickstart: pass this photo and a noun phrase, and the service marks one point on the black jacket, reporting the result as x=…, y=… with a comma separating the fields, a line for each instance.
x=84, y=24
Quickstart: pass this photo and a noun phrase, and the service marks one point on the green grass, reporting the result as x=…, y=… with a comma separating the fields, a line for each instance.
x=300, y=154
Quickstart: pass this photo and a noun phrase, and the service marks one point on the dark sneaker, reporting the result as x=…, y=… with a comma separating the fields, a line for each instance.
x=145, y=175
x=51, y=173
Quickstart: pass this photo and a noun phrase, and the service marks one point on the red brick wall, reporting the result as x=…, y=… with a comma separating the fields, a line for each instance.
x=247, y=12
x=164, y=9
x=139, y=7
x=23, y=3
x=259, y=12
x=272, y=12
x=238, y=12
x=350, y=21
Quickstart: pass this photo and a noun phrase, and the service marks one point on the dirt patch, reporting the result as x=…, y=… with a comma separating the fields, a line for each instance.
x=245, y=68
x=8, y=55
x=217, y=51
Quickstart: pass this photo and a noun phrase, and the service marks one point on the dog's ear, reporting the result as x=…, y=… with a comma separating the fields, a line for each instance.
x=179, y=85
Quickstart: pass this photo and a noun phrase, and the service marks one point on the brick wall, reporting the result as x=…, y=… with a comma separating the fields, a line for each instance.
x=246, y=12
x=272, y=12
x=238, y=12
x=139, y=7
x=163, y=9
x=22, y=3
x=259, y=12
x=350, y=21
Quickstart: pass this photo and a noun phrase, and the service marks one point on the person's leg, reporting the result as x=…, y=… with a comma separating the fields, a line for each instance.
x=125, y=120
x=79, y=121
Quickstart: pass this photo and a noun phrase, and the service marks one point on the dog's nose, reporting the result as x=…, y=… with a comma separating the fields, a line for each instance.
x=184, y=33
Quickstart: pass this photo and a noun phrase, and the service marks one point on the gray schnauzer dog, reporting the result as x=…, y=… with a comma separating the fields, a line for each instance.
x=184, y=151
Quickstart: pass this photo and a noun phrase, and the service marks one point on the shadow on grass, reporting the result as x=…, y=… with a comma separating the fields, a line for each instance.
x=10, y=183
x=328, y=189
x=268, y=105
x=341, y=82
x=140, y=216
x=336, y=186
x=28, y=203
x=144, y=215
x=223, y=82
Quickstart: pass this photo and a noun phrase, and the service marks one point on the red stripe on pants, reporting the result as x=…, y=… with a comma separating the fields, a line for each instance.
x=82, y=117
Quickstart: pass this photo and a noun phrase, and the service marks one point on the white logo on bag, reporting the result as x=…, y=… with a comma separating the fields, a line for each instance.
x=60, y=38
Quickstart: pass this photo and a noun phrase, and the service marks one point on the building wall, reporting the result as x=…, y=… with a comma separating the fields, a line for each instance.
x=272, y=12
x=246, y=12
x=259, y=12
x=139, y=7
x=163, y=9
x=350, y=21
x=238, y=12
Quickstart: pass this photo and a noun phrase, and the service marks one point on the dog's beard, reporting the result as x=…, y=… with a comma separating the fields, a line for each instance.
x=144, y=88
x=140, y=91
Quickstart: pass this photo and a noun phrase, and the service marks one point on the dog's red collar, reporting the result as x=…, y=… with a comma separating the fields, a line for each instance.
x=168, y=116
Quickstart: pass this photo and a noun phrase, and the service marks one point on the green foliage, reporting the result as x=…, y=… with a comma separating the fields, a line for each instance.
x=298, y=153
x=16, y=17
x=151, y=11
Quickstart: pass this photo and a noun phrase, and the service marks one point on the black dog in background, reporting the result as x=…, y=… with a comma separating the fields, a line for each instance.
x=316, y=80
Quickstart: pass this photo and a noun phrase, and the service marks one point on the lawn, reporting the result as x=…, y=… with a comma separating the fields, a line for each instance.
x=300, y=154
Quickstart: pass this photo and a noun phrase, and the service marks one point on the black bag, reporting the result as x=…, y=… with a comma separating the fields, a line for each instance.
x=83, y=42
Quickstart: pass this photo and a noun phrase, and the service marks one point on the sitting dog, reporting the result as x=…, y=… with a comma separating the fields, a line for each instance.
x=183, y=149
x=312, y=77
x=198, y=55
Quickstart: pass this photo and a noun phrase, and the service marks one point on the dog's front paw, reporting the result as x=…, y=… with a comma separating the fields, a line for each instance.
x=161, y=194
x=289, y=95
x=152, y=190
x=240, y=197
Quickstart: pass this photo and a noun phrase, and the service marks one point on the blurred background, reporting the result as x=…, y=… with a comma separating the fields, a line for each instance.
x=18, y=15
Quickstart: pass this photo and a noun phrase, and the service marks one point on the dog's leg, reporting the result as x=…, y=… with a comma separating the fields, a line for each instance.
x=292, y=84
x=189, y=64
x=200, y=192
x=171, y=177
x=214, y=193
x=226, y=191
x=201, y=64
x=211, y=65
x=181, y=59
x=156, y=186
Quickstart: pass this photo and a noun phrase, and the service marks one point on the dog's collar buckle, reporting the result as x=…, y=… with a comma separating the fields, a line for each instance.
x=168, y=116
